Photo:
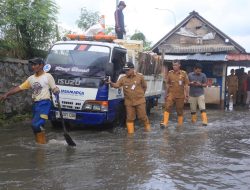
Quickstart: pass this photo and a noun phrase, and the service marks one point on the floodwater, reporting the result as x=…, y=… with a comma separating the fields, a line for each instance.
x=192, y=157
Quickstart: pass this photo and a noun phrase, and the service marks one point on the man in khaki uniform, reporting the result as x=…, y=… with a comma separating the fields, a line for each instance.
x=177, y=92
x=134, y=88
x=232, y=85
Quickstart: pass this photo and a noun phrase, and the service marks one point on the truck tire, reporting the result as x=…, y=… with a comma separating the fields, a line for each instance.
x=120, y=118
x=57, y=124
x=149, y=105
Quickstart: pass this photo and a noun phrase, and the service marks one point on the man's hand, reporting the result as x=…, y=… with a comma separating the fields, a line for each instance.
x=193, y=83
x=108, y=81
x=186, y=98
x=196, y=83
x=56, y=90
x=3, y=97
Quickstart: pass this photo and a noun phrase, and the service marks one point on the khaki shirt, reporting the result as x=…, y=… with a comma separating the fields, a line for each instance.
x=176, y=81
x=232, y=81
x=134, y=88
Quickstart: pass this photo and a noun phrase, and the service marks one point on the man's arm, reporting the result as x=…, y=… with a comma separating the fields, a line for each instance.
x=144, y=84
x=10, y=92
x=117, y=20
x=237, y=82
x=117, y=84
x=204, y=81
x=166, y=85
x=52, y=84
x=186, y=87
x=114, y=85
x=186, y=91
x=191, y=82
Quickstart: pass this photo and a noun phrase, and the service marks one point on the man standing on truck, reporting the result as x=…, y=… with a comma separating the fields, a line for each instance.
x=40, y=83
x=119, y=20
x=134, y=88
x=177, y=93
x=198, y=81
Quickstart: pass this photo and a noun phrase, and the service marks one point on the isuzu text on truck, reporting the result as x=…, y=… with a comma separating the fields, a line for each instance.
x=80, y=69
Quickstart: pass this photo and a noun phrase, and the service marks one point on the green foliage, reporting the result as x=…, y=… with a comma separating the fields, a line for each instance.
x=27, y=26
x=140, y=36
x=87, y=19
x=6, y=120
x=110, y=30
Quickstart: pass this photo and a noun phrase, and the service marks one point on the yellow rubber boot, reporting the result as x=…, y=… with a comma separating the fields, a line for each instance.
x=40, y=138
x=180, y=120
x=130, y=127
x=164, y=123
x=204, y=118
x=147, y=127
x=193, y=117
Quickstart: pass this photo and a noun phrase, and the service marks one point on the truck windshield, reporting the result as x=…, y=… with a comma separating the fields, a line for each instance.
x=79, y=60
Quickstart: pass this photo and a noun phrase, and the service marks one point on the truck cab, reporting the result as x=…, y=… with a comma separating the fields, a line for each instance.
x=80, y=69
x=81, y=66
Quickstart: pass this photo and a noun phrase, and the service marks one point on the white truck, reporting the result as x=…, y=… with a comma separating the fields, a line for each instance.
x=80, y=68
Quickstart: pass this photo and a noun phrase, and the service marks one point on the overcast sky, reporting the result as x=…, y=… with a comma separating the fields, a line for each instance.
x=157, y=17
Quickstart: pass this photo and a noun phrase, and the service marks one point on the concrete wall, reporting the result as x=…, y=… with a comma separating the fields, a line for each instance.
x=12, y=73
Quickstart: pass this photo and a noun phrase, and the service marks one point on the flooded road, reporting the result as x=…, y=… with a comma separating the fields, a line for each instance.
x=191, y=157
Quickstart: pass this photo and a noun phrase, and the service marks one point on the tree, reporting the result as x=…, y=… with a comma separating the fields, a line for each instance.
x=87, y=19
x=27, y=26
x=140, y=36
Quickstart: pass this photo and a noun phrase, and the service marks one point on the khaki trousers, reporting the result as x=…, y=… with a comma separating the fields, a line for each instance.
x=194, y=101
x=179, y=104
x=139, y=111
x=232, y=91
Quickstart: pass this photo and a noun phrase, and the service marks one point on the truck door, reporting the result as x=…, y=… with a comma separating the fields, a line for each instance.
x=119, y=60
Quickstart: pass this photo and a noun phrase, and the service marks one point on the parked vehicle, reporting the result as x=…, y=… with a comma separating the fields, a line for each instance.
x=80, y=69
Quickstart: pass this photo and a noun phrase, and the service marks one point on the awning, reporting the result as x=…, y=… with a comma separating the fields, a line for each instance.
x=238, y=57
x=199, y=57
x=209, y=48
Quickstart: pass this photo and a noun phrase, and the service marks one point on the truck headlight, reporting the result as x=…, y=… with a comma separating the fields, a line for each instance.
x=87, y=107
x=95, y=106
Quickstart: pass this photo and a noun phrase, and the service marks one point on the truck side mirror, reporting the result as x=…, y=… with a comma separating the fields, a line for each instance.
x=109, y=69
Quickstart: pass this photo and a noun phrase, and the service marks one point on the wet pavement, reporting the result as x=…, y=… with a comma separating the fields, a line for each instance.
x=192, y=157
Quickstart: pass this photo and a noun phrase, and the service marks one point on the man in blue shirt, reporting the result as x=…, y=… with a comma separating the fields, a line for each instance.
x=119, y=20
x=198, y=81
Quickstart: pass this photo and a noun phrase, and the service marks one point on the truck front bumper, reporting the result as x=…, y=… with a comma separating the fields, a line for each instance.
x=85, y=118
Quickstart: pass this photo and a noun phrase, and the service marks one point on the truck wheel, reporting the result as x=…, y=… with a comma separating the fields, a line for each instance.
x=120, y=118
x=148, y=107
x=56, y=124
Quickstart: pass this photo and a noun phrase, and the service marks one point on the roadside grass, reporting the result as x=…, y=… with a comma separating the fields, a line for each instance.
x=9, y=119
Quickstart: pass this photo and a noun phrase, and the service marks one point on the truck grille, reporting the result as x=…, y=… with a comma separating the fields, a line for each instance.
x=68, y=104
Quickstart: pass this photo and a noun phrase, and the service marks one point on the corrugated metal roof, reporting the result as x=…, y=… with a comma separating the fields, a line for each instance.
x=170, y=48
x=238, y=57
x=199, y=57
